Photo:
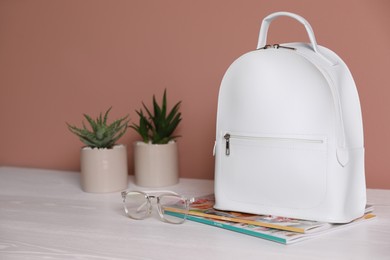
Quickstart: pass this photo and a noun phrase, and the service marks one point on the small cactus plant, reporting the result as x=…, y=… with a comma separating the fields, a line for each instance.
x=102, y=134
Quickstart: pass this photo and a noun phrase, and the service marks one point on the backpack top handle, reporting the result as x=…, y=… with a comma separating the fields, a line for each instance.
x=267, y=21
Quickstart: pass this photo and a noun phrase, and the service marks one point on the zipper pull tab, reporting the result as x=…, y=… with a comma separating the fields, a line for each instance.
x=227, y=138
x=277, y=46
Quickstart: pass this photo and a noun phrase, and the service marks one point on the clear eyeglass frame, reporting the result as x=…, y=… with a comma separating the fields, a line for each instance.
x=172, y=207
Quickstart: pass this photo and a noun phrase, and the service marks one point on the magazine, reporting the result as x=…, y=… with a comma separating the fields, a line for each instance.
x=276, y=235
x=203, y=207
x=277, y=229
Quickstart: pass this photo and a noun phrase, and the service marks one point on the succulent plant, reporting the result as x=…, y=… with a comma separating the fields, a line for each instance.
x=102, y=134
x=158, y=125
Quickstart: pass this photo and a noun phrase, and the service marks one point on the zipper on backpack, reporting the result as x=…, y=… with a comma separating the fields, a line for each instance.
x=228, y=136
x=276, y=46
x=227, y=142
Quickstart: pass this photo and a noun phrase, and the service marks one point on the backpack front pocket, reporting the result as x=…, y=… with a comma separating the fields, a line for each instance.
x=274, y=170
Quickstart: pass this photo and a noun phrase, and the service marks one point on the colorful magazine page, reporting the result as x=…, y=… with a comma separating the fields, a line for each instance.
x=203, y=207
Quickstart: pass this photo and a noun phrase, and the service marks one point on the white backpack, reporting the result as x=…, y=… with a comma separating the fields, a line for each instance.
x=289, y=136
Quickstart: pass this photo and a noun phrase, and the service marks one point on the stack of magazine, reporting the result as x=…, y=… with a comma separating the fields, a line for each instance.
x=278, y=229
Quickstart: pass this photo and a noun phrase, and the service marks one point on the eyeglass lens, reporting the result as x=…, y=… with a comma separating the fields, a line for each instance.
x=173, y=208
x=137, y=205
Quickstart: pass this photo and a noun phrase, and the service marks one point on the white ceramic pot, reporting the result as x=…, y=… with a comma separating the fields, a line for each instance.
x=156, y=165
x=104, y=170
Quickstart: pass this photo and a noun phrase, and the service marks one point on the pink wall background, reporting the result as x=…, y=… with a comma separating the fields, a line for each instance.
x=59, y=59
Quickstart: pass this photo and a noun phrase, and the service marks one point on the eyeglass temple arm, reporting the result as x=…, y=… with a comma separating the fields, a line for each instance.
x=161, y=191
x=124, y=193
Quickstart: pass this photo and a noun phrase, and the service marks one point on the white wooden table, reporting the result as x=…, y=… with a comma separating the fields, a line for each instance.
x=45, y=215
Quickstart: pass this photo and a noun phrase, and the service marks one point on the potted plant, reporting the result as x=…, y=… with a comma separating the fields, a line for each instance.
x=103, y=162
x=156, y=156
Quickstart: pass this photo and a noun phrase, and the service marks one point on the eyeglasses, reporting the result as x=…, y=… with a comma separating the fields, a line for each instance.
x=172, y=208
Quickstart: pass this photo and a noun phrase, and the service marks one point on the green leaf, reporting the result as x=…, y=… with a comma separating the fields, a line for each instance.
x=106, y=116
